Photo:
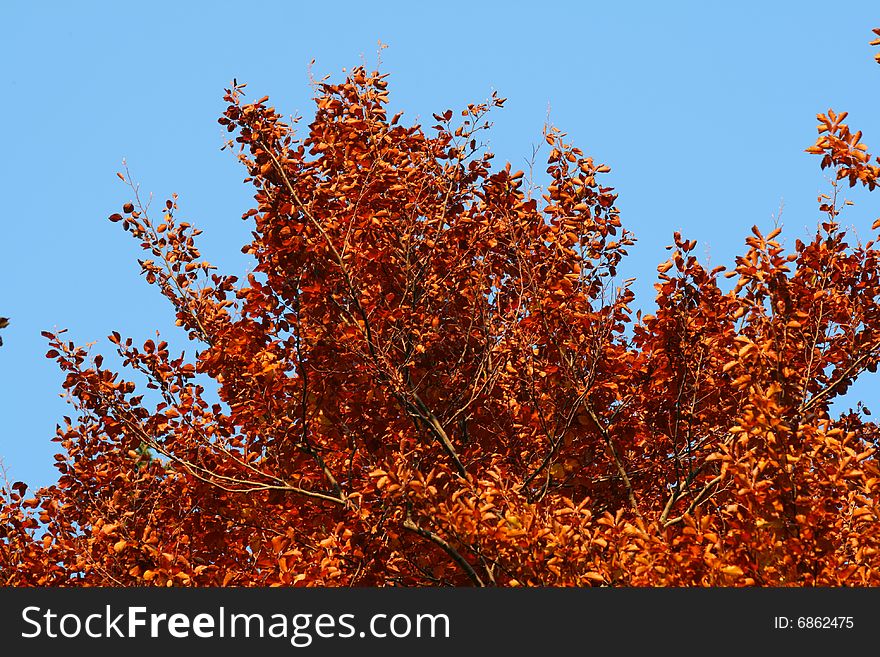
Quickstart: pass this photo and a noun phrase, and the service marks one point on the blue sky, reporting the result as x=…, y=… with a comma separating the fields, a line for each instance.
x=701, y=109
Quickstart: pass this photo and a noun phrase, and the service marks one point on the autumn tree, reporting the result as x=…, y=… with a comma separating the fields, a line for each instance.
x=434, y=376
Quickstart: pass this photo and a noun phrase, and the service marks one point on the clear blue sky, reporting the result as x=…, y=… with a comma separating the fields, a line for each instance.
x=702, y=109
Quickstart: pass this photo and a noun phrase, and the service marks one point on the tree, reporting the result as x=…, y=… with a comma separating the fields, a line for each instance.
x=433, y=377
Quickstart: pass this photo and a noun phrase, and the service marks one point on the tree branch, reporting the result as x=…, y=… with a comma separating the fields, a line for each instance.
x=612, y=452
x=447, y=548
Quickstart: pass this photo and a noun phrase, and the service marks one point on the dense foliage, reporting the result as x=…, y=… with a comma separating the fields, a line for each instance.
x=434, y=376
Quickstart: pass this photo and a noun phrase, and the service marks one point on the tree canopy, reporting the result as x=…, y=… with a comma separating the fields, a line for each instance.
x=435, y=376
